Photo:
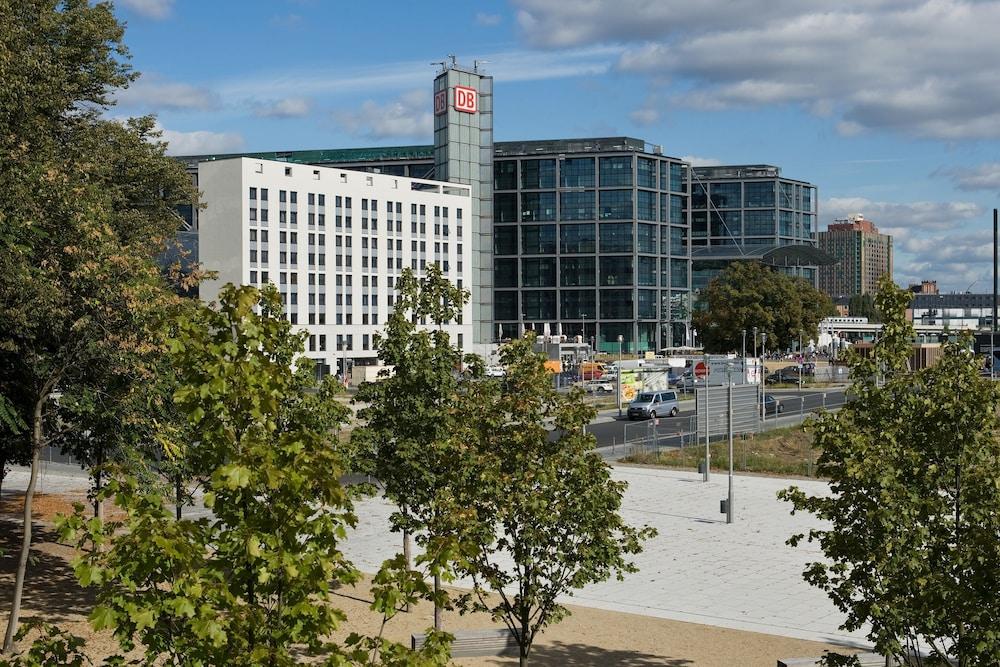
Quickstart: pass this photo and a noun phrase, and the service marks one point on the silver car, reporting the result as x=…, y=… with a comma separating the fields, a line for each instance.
x=653, y=404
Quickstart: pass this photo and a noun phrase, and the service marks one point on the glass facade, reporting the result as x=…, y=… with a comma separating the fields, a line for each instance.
x=586, y=243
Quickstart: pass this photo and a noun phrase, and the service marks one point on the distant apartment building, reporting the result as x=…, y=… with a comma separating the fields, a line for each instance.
x=924, y=287
x=334, y=242
x=955, y=312
x=863, y=256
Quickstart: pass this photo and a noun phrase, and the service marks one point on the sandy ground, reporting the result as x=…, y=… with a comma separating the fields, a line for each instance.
x=587, y=637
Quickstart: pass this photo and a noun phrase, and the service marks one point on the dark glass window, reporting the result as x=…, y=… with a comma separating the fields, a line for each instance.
x=645, y=172
x=616, y=204
x=538, y=272
x=577, y=238
x=677, y=210
x=539, y=304
x=538, y=239
x=616, y=171
x=505, y=272
x=646, y=304
x=505, y=305
x=577, y=271
x=807, y=197
x=616, y=271
x=664, y=175
x=759, y=223
x=616, y=304
x=786, y=226
x=678, y=273
x=578, y=205
x=677, y=177
x=699, y=195
x=646, y=271
x=787, y=195
x=538, y=206
x=727, y=224
x=646, y=238
x=538, y=174
x=646, y=205
x=616, y=237
x=505, y=240
x=505, y=207
x=678, y=241
x=505, y=175
x=577, y=304
x=576, y=172
x=726, y=195
x=699, y=223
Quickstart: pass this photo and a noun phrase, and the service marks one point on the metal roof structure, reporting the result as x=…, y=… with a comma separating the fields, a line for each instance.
x=772, y=255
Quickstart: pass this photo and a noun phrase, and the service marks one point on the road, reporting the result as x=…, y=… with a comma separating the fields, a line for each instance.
x=671, y=431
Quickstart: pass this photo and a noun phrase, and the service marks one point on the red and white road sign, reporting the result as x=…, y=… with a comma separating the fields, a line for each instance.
x=701, y=370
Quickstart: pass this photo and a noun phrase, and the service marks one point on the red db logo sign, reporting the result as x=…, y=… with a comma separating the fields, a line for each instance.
x=466, y=99
x=440, y=102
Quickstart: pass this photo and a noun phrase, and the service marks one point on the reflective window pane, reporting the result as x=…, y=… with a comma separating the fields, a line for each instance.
x=536, y=174
x=616, y=237
x=577, y=238
x=578, y=205
x=616, y=271
x=538, y=272
x=577, y=172
x=616, y=171
x=577, y=271
x=538, y=206
x=616, y=205
x=538, y=239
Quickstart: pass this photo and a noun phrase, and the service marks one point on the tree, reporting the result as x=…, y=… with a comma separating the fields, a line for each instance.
x=911, y=546
x=547, y=511
x=862, y=305
x=412, y=413
x=85, y=206
x=747, y=295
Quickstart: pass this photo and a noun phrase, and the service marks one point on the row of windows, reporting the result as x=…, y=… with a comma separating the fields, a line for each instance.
x=583, y=272
x=615, y=171
x=751, y=223
x=588, y=205
x=752, y=194
x=613, y=304
x=582, y=238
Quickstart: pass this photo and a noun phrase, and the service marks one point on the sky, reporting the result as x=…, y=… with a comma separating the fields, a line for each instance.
x=890, y=107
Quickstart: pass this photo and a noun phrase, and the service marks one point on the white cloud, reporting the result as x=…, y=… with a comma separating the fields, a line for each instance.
x=489, y=20
x=903, y=65
x=985, y=176
x=290, y=107
x=201, y=142
x=697, y=161
x=287, y=21
x=645, y=116
x=924, y=215
x=407, y=116
x=153, y=93
x=153, y=9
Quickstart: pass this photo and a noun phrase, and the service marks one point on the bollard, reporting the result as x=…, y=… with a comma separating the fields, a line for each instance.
x=824, y=401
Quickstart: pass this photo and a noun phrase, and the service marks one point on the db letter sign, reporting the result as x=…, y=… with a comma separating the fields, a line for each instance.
x=440, y=102
x=466, y=99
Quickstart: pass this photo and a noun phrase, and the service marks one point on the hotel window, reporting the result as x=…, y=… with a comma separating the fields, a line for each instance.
x=253, y=193
x=263, y=194
x=616, y=171
x=294, y=196
x=282, y=195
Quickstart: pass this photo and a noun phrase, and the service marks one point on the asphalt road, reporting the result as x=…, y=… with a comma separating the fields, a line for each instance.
x=672, y=430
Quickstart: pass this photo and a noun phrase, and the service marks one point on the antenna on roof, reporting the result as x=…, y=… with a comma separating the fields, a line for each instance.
x=451, y=57
x=439, y=62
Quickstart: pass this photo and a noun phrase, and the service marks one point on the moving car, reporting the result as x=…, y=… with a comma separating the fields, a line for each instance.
x=653, y=404
x=599, y=387
x=789, y=375
x=772, y=406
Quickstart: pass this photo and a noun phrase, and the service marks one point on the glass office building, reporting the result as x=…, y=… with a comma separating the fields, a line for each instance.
x=751, y=212
x=590, y=239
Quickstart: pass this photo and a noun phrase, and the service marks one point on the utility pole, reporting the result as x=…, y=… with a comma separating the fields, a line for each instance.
x=729, y=499
x=708, y=426
x=620, y=376
x=763, y=376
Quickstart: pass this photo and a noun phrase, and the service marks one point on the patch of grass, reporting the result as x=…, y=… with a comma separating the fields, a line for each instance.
x=783, y=451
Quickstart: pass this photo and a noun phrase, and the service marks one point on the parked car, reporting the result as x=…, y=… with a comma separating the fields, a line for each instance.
x=494, y=372
x=772, y=406
x=653, y=404
x=789, y=375
x=809, y=368
x=599, y=387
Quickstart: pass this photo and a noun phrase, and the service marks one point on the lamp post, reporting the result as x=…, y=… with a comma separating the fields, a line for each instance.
x=755, y=350
x=763, y=353
x=708, y=427
x=743, y=358
x=801, y=364
x=620, y=339
x=729, y=499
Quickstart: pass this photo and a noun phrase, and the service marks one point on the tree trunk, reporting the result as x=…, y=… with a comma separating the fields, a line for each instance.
x=98, y=484
x=178, y=497
x=522, y=643
x=408, y=559
x=437, y=604
x=29, y=495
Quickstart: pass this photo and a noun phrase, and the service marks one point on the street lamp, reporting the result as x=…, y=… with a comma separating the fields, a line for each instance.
x=744, y=332
x=755, y=346
x=802, y=358
x=729, y=499
x=620, y=339
x=763, y=375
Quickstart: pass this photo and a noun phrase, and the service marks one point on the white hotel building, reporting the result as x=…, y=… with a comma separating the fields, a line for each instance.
x=334, y=241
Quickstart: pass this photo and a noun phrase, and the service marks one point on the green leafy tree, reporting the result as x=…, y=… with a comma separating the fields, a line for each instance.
x=863, y=305
x=747, y=295
x=412, y=413
x=911, y=546
x=547, y=511
x=85, y=206
x=250, y=585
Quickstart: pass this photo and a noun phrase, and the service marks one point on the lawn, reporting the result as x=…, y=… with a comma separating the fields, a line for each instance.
x=782, y=451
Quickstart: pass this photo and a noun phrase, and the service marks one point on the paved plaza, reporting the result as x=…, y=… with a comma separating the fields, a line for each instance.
x=698, y=569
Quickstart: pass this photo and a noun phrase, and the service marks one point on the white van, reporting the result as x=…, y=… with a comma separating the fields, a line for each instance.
x=653, y=404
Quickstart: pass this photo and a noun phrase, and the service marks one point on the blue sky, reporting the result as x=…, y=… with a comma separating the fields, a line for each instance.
x=891, y=107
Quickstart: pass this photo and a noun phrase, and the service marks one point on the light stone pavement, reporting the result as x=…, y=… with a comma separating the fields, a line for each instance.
x=698, y=569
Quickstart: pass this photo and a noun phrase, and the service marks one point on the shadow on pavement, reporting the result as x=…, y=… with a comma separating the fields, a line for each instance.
x=581, y=655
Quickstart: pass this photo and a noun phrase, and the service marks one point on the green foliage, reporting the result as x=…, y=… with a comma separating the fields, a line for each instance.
x=747, y=295
x=913, y=463
x=863, y=305
x=248, y=586
x=413, y=411
x=546, y=509
x=52, y=647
